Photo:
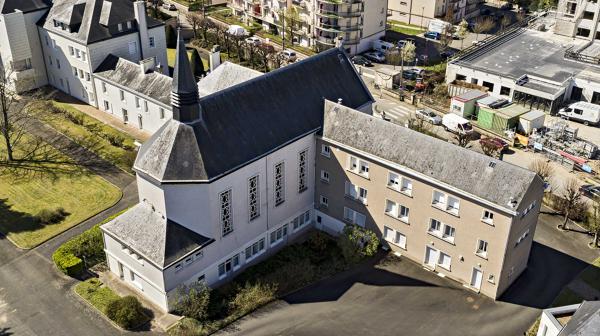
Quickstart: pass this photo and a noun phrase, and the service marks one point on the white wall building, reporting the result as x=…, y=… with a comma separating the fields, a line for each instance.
x=581, y=319
x=222, y=186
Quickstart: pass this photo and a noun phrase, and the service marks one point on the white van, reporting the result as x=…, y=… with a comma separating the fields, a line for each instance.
x=456, y=124
x=382, y=46
x=587, y=113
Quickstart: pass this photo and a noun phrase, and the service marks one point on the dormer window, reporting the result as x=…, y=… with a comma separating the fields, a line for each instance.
x=120, y=27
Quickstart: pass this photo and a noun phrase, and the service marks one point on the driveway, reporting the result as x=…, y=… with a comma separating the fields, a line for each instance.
x=400, y=297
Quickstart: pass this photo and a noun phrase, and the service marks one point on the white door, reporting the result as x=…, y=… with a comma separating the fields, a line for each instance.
x=431, y=256
x=476, y=278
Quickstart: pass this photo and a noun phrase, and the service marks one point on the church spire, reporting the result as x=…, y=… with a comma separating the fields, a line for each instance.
x=184, y=93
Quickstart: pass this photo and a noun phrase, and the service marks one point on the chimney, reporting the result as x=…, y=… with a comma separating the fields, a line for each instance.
x=184, y=93
x=340, y=101
x=215, y=57
x=147, y=64
x=139, y=9
x=339, y=42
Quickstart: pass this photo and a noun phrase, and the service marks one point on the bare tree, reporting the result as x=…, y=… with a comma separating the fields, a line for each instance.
x=462, y=139
x=543, y=168
x=594, y=221
x=571, y=199
x=489, y=148
x=482, y=25
x=449, y=17
x=291, y=20
x=264, y=52
x=462, y=31
x=194, y=19
x=277, y=59
x=505, y=22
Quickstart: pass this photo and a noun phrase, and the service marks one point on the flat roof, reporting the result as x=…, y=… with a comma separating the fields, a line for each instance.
x=513, y=110
x=470, y=95
x=527, y=52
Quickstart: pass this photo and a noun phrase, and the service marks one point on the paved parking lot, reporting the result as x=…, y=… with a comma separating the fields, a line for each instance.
x=401, y=298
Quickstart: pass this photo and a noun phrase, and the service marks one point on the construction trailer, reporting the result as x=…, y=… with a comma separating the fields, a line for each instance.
x=500, y=120
x=530, y=121
x=465, y=104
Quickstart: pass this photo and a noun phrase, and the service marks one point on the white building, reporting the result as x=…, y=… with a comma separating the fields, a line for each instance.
x=581, y=319
x=421, y=12
x=230, y=178
x=321, y=22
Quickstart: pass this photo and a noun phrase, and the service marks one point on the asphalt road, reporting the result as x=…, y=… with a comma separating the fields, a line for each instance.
x=401, y=298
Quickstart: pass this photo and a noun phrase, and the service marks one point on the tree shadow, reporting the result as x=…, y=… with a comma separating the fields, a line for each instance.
x=547, y=273
x=5, y=332
x=12, y=221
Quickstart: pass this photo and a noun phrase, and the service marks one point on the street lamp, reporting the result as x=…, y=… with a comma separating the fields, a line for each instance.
x=422, y=13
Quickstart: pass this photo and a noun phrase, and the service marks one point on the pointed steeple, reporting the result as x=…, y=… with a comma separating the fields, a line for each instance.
x=184, y=93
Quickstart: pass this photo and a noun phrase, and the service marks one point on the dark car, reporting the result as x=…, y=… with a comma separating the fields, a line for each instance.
x=409, y=74
x=361, y=60
x=433, y=35
x=447, y=54
x=590, y=191
x=500, y=144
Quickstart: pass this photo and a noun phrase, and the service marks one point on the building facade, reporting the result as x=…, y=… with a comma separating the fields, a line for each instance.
x=420, y=12
x=578, y=18
x=454, y=216
x=320, y=23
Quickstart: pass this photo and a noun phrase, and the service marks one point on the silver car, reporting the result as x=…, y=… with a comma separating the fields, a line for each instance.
x=428, y=116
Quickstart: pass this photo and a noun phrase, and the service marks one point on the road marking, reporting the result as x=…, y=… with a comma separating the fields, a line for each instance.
x=397, y=112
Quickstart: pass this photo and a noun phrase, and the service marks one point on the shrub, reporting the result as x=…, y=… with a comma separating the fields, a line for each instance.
x=47, y=216
x=75, y=118
x=317, y=241
x=67, y=263
x=127, y=312
x=191, y=301
x=357, y=243
x=116, y=140
x=251, y=297
x=93, y=128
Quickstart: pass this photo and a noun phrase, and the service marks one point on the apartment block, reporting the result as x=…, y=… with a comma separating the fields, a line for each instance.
x=420, y=12
x=578, y=18
x=446, y=207
x=320, y=23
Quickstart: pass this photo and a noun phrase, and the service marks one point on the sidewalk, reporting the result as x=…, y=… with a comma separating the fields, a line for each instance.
x=160, y=321
x=104, y=117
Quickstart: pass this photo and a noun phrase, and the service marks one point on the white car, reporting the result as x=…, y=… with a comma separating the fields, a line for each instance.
x=375, y=56
x=428, y=116
x=253, y=40
x=169, y=6
x=289, y=55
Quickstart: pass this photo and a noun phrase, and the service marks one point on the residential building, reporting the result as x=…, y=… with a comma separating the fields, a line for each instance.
x=230, y=179
x=320, y=23
x=537, y=69
x=582, y=319
x=441, y=205
x=578, y=18
x=420, y=12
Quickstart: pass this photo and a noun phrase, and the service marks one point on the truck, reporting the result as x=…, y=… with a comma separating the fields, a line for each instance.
x=439, y=26
x=456, y=124
x=584, y=112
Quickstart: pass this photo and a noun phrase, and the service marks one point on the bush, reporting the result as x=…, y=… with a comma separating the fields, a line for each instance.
x=191, y=301
x=47, y=216
x=357, y=243
x=67, y=263
x=116, y=140
x=127, y=312
x=75, y=118
x=251, y=297
x=318, y=241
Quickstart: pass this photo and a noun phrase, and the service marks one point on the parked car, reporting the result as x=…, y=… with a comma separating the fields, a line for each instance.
x=456, y=124
x=428, y=116
x=433, y=35
x=289, y=55
x=375, y=56
x=447, y=54
x=585, y=112
x=361, y=60
x=382, y=46
x=169, y=6
x=409, y=74
x=253, y=40
x=590, y=191
x=500, y=144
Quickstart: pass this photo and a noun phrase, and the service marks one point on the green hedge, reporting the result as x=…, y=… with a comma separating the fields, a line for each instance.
x=69, y=256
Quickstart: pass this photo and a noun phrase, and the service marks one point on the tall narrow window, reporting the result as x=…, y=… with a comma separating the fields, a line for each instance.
x=151, y=41
x=226, y=216
x=161, y=113
x=279, y=183
x=302, y=157
x=253, y=198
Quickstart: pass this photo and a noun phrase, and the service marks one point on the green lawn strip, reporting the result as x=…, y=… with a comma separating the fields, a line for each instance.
x=171, y=57
x=119, y=156
x=591, y=275
x=532, y=331
x=406, y=30
x=278, y=40
x=566, y=297
x=400, y=23
x=80, y=193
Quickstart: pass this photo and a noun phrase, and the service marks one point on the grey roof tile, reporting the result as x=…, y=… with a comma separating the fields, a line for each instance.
x=585, y=321
x=224, y=76
x=9, y=6
x=455, y=166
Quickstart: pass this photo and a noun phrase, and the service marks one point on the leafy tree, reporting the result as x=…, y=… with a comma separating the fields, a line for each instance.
x=505, y=22
x=489, y=149
x=462, y=31
x=594, y=221
x=357, y=243
x=171, y=37
x=127, y=312
x=292, y=19
x=571, y=200
x=397, y=56
x=264, y=52
x=196, y=64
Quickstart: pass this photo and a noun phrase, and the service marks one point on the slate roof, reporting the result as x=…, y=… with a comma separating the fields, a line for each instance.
x=25, y=6
x=585, y=321
x=153, y=236
x=458, y=167
x=128, y=74
x=93, y=14
x=224, y=76
x=249, y=120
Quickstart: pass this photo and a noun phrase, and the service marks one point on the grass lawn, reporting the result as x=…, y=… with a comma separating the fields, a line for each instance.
x=591, y=275
x=93, y=292
x=566, y=297
x=80, y=193
x=171, y=57
x=121, y=156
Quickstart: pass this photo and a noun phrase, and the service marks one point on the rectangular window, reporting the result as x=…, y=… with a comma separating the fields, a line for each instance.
x=151, y=41
x=448, y=233
x=122, y=95
x=394, y=237
x=253, y=198
x=279, y=183
x=103, y=87
x=58, y=63
x=71, y=51
x=161, y=113
x=359, y=166
x=80, y=73
x=278, y=235
x=356, y=193
x=453, y=205
x=324, y=201
x=482, y=246
x=137, y=102
x=119, y=26
x=394, y=181
x=128, y=24
x=444, y=260
x=302, y=170
x=354, y=217
x=88, y=77
x=439, y=198
x=488, y=217
x=255, y=249
x=106, y=106
x=54, y=43
x=435, y=227
x=146, y=106
x=75, y=71
x=301, y=220
x=47, y=41
x=83, y=58
x=77, y=53
x=326, y=150
x=522, y=237
x=226, y=215
x=229, y=266
x=50, y=60
x=325, y=176
x=132, y=48
x=406, y=186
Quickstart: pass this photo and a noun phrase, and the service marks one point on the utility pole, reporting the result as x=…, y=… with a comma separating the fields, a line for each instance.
x=283, y=39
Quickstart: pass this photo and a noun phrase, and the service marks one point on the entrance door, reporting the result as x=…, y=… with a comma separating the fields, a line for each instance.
x=125, y=116
x=476, y=278
x=140, y=122
x=121, y=273
x=577, y=93
x=431, y=256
